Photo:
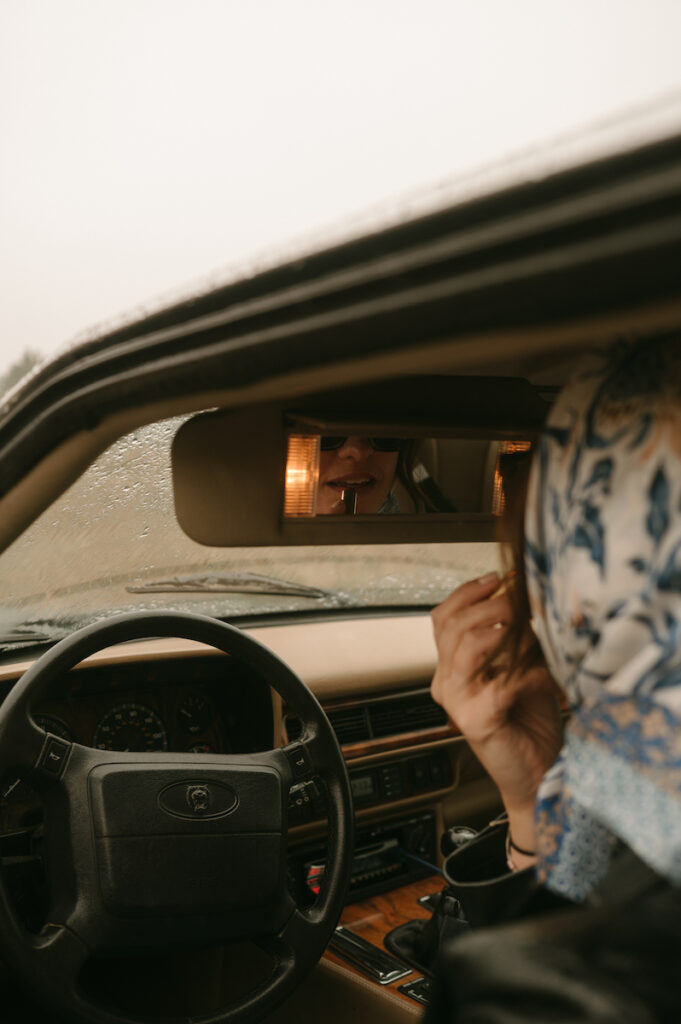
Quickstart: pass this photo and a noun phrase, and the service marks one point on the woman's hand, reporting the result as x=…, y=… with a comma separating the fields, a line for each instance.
x=512, y=722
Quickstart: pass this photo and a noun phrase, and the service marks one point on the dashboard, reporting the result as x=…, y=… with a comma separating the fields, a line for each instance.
x=371, y=675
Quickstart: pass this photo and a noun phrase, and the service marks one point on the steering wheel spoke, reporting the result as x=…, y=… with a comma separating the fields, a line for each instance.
x=300, y=931
x=294, y=763
x=317, y=753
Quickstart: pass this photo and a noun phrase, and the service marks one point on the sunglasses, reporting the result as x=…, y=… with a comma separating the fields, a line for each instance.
x=379, y=444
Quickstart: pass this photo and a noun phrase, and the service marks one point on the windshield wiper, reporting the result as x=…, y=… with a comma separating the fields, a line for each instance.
x=235, y=583
x=19, y=636
x=28, y=637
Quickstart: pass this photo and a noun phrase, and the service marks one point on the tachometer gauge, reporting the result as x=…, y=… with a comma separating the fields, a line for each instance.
x=54, y=725
x=130, y=727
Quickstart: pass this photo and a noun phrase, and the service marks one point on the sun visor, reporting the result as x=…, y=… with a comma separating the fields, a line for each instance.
x=407, y=463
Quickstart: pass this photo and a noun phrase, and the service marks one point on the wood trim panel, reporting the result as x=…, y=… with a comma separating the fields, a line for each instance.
x=398, y=741
x=373, y=918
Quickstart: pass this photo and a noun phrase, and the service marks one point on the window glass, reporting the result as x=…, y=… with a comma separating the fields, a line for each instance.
x=114, y=533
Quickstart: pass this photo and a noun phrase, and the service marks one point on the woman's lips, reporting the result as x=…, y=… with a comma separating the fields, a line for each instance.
x=355, y=482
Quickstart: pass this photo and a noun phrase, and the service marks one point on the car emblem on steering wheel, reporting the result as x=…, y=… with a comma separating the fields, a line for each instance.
x=192, y=799
x=198, y=798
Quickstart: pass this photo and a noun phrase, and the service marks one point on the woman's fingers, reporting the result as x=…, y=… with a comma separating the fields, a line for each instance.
x=450, y=628
x=471, y=605
x=466, y=595
x=534, y=680
x=466, y=631
x=475, y=646
x=459, y=649
x=458, y=669
x=495, y=611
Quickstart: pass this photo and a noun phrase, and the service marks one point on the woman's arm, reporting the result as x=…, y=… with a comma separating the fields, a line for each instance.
x=511, y=721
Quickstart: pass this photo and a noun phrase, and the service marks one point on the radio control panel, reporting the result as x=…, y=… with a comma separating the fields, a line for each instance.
x=377, y=784
x=395, y=780
x=386, y=855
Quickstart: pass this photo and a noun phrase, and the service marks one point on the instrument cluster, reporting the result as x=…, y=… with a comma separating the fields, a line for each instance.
x=200, y=705
x=131, y=725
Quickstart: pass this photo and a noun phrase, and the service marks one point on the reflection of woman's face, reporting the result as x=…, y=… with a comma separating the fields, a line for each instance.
x=354, y=465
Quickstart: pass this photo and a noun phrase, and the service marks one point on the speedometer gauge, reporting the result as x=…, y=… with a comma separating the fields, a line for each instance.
x=130, y=727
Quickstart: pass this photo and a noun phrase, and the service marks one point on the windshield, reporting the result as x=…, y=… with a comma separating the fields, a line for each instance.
x=111, y=539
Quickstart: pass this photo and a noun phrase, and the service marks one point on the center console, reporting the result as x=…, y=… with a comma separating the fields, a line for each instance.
x=359, y=944
x=387, y=855
x=394, y=871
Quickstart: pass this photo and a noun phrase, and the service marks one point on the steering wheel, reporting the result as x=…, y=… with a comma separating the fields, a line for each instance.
x=157, y=851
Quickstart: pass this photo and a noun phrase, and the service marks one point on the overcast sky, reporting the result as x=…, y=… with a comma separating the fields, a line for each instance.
x=149, y=144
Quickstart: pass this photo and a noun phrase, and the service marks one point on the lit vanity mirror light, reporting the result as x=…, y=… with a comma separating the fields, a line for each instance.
x=302, y=475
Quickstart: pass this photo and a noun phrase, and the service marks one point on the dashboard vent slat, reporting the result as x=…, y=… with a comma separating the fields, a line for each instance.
x=350, y=724
x=406, y=714
x=376, y=719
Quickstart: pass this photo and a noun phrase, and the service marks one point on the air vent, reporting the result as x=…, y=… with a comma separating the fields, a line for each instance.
x=350, y=724
x=378, y=718
x=405, y=714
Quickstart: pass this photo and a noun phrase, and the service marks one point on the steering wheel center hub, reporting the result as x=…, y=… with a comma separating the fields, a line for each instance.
x=209, y=842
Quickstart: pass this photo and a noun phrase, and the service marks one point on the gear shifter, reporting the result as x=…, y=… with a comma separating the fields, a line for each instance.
x=419, y=941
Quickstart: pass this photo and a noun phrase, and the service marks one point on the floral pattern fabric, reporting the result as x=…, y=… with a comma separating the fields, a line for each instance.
x=603, y=563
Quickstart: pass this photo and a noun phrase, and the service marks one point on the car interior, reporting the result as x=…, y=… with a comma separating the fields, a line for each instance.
x=225, y=785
